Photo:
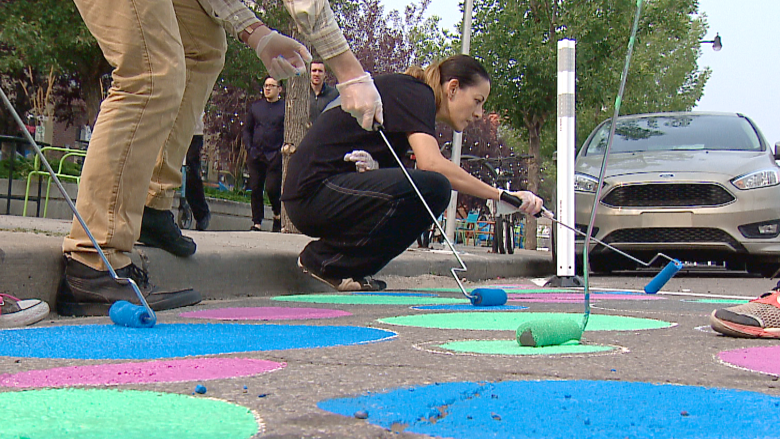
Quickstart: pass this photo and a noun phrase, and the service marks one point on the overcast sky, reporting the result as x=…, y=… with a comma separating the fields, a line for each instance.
x=745, y=74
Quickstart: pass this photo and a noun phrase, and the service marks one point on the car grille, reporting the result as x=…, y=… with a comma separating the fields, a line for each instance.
x=668, y=195
x=671, y=234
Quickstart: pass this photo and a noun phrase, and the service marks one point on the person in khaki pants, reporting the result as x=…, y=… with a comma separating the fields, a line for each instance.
x=167, y=55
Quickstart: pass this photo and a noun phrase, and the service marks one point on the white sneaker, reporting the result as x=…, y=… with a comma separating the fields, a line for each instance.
x=15, y=312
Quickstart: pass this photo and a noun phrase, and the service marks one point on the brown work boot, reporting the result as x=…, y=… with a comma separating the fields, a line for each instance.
x=85, y=291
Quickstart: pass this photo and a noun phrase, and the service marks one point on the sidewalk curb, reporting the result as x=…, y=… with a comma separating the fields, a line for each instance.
x=234, y=264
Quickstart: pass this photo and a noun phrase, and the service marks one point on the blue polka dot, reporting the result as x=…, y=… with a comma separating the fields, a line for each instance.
x=469, y=307
x=568, y=409
x=176, y=340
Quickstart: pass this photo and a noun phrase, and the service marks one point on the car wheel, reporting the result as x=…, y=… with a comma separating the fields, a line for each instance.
x=764, y=269
x=600, y=264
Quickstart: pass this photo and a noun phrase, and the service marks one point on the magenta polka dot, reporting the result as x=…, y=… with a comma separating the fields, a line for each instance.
x=265, y=313
x=170, y=371
x=764, y=359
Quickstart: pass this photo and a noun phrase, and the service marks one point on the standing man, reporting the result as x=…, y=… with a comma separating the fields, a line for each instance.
x=263, y=139
x=167, y=55
x=321, y=94
x=193, y=190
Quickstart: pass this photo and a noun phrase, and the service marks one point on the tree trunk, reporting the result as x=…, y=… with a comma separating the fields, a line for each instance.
x=296, y=120
x=534, y=126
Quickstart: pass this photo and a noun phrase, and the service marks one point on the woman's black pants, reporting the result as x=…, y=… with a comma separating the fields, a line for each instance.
x=364, y=220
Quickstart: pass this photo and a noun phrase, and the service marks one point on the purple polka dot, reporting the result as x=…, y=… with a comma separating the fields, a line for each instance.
x=764, y=359
x=168, y=371
x=265, y=313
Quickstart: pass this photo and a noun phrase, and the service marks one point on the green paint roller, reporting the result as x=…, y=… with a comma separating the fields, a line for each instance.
x=548, y=332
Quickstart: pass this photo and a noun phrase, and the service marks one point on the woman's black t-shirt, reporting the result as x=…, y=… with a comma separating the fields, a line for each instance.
x=409, y=106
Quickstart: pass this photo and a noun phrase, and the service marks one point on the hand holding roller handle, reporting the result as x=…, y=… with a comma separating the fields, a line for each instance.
x=523, y=201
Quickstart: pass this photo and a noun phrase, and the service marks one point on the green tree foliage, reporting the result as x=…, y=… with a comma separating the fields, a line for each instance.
x=517, y=40
x=42, y=36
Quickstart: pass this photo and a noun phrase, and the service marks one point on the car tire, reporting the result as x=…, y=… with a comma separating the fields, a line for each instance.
x=764, y=269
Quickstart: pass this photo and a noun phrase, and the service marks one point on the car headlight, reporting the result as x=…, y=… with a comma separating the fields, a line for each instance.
x=757, y=180
x=585, y=183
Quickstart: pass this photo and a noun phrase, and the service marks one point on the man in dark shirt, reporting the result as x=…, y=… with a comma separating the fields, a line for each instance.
x=320, y=94
x=263, y=138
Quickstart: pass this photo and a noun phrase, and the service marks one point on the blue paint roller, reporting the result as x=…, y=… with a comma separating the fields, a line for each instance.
x=488, y=297
x=126, y=316
x=663, y=277
x=124, y=313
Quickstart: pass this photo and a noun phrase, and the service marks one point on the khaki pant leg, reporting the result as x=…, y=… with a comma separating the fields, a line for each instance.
x=204, y=51
x=140, y=39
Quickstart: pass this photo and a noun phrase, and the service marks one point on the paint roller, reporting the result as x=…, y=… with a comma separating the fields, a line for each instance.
x=546, y=331
x=478, y=297
x=122, y=313
x=655, y=285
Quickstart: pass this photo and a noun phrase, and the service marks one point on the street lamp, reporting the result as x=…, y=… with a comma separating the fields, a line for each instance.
x=716, y=43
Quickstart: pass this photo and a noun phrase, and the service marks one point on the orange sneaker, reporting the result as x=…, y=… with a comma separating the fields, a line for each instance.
x=759, y=318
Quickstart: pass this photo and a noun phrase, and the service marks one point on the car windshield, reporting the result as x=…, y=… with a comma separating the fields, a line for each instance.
x=677, y=133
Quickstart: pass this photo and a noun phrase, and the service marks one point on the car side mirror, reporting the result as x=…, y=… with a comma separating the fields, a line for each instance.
x=777, y=151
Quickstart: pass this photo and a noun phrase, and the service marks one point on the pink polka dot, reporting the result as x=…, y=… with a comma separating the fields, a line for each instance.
x=265, y=313
x=170, y=371
x=764, y=359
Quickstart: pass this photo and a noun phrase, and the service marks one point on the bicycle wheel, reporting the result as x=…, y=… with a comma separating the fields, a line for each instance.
x=509, y=235
x=185, y=216
x=498, y=238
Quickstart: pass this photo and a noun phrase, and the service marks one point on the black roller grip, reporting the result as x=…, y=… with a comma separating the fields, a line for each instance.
x=517, y=202
x=511, y=199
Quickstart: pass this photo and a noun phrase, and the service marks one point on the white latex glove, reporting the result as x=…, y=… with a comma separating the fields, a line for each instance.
x=363, y=160
x=531, y=204
x=282, y=56
x=360, y=98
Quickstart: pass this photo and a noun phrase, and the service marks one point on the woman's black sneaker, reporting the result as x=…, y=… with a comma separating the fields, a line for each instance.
x=85, y=291
x=159, y=229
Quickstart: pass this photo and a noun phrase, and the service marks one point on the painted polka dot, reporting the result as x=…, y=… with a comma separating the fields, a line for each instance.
x=469, y=307
x=176, y=340
x=566, y=409
x=170, y=371
x=576, y=297
x=265, y=314
x=362, y=299
x=511, y=347
x=509, y=321
x=764, y=359
x=122, y=414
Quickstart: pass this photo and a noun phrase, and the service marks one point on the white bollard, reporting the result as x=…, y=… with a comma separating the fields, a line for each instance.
x=566, y=156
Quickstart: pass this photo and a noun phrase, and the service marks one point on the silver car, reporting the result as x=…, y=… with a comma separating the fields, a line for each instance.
x=695, y=186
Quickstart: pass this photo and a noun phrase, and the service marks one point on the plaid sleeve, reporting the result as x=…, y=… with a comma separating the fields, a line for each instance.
x=233, y=15
x=316, y=21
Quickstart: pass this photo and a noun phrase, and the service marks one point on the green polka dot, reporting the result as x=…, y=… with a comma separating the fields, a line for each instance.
x=365, y=299
x=509, y=321
x=510, y=347
x=121, y=414
x=723, y=301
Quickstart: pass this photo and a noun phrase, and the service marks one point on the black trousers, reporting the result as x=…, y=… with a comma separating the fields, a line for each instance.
x=269, y=174
x=193, y=190
x=364, y=220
